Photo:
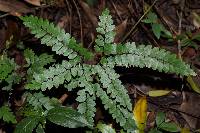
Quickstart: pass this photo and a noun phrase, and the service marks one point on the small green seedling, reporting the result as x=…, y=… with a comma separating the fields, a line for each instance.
x=162, y=125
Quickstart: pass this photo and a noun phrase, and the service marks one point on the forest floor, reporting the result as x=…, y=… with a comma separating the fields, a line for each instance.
x=80, y=19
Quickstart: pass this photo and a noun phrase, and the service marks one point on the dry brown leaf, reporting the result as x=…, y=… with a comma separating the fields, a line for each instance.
x=63, y=21
x=1, y=131
x=120, y=31
x=196, y=19
x=33, y=2
x=191, y=106
x=14, y=7
x=89, y=13
x=11, y=29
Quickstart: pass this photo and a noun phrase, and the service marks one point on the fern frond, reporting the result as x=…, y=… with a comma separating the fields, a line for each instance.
x=115, y=89
x=86, y=105
x=52, y=77
x=146, y=56
x=7, y=67
x=122, y=116
x=86, y=97
x=105, y=30
x=39, y=101
x=62, y=43
x=36, y=63
x=7, y=72
x=7, y=115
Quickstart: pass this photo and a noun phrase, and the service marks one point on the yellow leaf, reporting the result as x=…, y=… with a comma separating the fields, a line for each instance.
x=193, y=85
x=158, y=93
x=140, y=113
x=185, y=130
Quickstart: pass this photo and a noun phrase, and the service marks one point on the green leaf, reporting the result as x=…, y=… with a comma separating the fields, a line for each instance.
x=7, y=115
x=170, y=127
x=157, y=28
x=7, y=67
x=151, y=18
x=40, y=129
x=67, y=117
x=154, y=130
x=105, y=128
x=27, y=125
x=196, y=37
x=158, y=93
x=160, y=118
x=194, y=84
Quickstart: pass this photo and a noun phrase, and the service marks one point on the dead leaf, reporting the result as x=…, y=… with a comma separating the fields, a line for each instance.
x=33, y=2
x=90, y=14
x=193, y=84
x=1, y=131
x=185, y=130
x=196, y=19
x=158, y=93
x=140, y=113
x=63, y=21
x=11, y=29
x=14, y=7
x=120, y=31
x=191, y=106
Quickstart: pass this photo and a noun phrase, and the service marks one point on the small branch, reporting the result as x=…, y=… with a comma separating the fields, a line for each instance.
x=132, y=29
x=179, y=32
x=80, y=21
x=70, y=14
x=63, y=98
x=173, y=109
x=4, y=15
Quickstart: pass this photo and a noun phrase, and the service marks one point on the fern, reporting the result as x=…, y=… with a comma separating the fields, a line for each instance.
x=8, y=72
x=87, y=105
x=99, y=80
x=62, y=43
x=105, y=28
x=39, y=101
x=36, y=63
x=145, y=56
x=7, y=67
x=7, y=115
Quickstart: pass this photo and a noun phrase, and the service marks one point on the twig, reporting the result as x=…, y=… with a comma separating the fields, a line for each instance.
x=164, y=20
x=70, y=13
x=31, y=10
x=179, y=32
x=113, y=4
x=80, y=21
x=149, y=35
x=4, y=15
x=128, y=34
x=63, y=98
x=173, y=109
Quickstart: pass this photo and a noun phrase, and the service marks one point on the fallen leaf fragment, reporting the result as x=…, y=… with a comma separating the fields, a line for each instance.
x=140, y=113
x=196, y=19
x=158, y=93
x=33, y=2
x=193, y=85
x=185, y=130
x=14, y=7
x=190, y=105
x=89, y=13
x=120, y=31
